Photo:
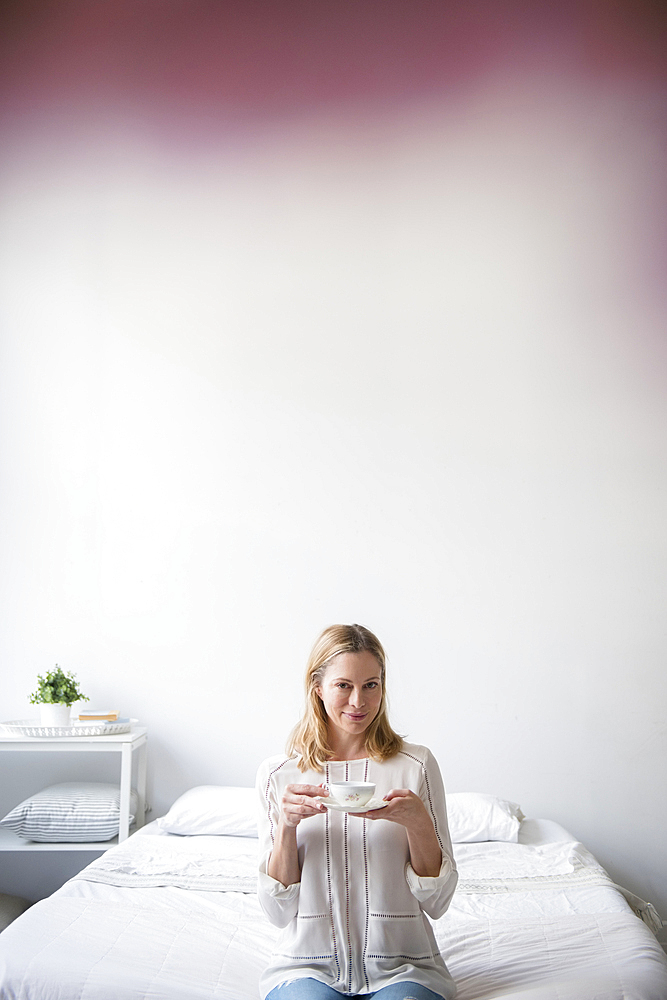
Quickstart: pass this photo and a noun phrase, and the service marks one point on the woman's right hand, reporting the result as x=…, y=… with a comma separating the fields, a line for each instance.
x=300, y=801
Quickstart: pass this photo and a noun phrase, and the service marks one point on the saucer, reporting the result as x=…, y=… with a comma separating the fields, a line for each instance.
x=337, y=807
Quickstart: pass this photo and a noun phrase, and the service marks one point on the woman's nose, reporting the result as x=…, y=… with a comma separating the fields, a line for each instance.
x=357, y=697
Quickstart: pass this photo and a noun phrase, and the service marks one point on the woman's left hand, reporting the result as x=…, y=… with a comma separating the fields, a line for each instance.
x=407, y=809
x=404, y=808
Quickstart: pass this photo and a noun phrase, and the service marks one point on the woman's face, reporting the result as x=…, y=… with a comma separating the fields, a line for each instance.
x=351, y=691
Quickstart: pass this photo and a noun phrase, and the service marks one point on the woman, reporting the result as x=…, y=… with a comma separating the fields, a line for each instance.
x=351, y=890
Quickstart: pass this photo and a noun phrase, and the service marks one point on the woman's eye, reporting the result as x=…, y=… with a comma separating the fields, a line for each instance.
x=372, y=684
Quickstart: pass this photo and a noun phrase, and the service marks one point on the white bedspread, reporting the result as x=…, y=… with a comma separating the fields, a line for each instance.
x=155, y=919
x=484, y=869
x=196, y=863
x=184, y=862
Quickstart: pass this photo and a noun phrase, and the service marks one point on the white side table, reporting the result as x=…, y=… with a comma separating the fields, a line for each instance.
x=125, y=744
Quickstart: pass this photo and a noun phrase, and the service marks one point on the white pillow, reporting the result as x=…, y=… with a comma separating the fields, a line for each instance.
x=213, y=810
x=72, y=812
x=475, y=817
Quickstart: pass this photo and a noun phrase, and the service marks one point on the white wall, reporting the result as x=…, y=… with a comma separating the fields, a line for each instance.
x=401, y=366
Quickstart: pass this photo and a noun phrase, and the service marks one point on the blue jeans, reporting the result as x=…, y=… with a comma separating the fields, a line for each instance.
x=313, y=989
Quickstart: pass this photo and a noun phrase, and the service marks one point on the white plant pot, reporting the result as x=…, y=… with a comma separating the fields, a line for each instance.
x=54, y=714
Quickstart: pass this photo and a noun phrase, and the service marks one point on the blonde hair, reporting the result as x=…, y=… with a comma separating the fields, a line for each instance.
x=309, y=737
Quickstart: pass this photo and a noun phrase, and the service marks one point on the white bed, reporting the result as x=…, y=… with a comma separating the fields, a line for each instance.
x=172, y=917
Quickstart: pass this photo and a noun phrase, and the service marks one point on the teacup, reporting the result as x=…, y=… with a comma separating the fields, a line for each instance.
x=352, y=793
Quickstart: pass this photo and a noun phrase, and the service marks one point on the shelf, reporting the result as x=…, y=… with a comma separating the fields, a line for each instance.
x=10, y=842
x=124, y=745
x=73, y=744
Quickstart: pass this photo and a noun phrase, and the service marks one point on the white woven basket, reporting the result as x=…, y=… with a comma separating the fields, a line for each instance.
x=31, y=727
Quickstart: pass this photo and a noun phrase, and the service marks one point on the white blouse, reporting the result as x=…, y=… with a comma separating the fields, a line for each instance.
x=356, y=920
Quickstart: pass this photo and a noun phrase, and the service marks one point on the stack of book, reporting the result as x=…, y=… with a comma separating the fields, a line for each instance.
x=99, y=715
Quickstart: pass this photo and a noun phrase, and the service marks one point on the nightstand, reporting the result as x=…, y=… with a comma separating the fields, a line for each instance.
x=125, y=745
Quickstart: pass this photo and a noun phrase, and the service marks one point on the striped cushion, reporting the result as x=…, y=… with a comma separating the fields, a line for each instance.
x=72, y=812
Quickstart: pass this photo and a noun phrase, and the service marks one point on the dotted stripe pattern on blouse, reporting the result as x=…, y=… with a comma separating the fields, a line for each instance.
x=347, y=892
x=428, y=793
x=267, y=799
x=327, y=838
x=366, y=880
x=410, y=958
x=302, y=958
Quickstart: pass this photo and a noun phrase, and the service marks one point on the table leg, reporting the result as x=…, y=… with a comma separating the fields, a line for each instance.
x=125, y=791
x=141, y=786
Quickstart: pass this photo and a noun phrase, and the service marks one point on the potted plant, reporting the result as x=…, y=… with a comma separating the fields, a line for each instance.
x=55, y=695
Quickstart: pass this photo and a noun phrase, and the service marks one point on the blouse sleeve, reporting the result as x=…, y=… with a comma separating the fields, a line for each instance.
x=280, y=903
x=435, y=893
